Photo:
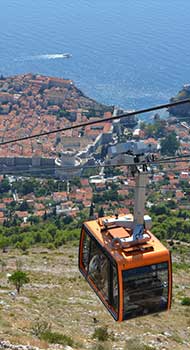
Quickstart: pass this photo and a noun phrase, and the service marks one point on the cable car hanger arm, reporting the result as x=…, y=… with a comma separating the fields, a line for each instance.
x=137, y=165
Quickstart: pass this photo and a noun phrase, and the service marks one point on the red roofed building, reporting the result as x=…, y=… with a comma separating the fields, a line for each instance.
x=184, y=175
x=1, y=215
x=179, y=194
x=6, y=97
x=84, y=182
x=7, y=200
x=60, y=196
x=40, y=213
x=123, y=211
x=22, y=214
x=2, y=207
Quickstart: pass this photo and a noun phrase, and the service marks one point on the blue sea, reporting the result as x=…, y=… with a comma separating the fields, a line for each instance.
x=129, y=53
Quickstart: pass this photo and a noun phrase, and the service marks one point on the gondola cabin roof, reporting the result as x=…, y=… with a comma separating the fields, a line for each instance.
x=127, y=255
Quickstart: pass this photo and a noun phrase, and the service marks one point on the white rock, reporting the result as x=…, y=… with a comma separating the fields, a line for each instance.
x=167, y=334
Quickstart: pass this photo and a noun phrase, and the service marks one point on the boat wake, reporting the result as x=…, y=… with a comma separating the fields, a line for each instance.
x=55, y=56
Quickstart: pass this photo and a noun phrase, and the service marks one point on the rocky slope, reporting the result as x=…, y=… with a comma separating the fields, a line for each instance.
x=181, y=111
x=58, y=297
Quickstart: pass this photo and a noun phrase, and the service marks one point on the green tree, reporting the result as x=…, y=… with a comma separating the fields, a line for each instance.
x=142, y=125
x=172, y=204
x=160, y=127
x=75, y=181
x=24, y=245
x=67, y=219
x=45, y=216
x=150, y=130
x=160, y=209
x=4, y=243
x=111, y=171
x=4, y=186
x=101, y=212
x=24, y=206
x=170, y=144
x=91, y=213
x=19, y=278
x=34, y=219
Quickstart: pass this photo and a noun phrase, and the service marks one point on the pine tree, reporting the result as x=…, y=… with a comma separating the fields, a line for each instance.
x=18, y=278
x=91, y=213
x=101, y=212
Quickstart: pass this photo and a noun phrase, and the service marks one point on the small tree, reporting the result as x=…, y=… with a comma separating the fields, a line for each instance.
x=101, y=212
x=24, y=206
x=4, y=243
x=170, y=144
x=91, y=212
x=101, y=333
x=19, y=278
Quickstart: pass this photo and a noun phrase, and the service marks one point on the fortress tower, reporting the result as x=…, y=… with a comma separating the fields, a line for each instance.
x=68, y=165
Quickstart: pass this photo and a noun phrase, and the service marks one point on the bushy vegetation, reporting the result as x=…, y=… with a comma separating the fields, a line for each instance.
x=156, y=129
x=180, y=266
x=170, y=144
x=37, y=186
x=169, y=224
x=108, y=195
x=56, y=338
x=57, y=233
x=54, y=231
x=102, y=334
x=185, y=301
x=134, y=344
x=42, y=329
x=102, y=346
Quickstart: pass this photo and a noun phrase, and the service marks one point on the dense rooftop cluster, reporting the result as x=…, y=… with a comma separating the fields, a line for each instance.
x=31, y=104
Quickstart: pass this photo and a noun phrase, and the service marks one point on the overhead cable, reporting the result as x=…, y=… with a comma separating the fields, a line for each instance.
x=76, y=126
x=169, y=160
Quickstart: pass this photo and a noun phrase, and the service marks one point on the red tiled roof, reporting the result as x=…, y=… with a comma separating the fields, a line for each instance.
x=40, y=212
x=21, y=214
x=2, y=206
x=7, y=200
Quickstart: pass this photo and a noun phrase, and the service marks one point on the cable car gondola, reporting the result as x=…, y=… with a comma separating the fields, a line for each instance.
x=125, y=264
x=131, y=278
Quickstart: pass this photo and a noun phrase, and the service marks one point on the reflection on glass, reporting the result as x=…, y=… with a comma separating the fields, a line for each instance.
x=100, y=270
x=145, y=290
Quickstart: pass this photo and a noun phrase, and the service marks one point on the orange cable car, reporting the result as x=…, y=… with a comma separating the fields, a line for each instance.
x=130, y=279
x=125, y=264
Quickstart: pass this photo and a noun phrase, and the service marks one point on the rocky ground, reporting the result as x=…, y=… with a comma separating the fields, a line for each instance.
x=58, y=299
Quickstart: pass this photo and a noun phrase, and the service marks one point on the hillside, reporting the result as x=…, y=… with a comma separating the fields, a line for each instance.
x=59, y=298
x=181, y=111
